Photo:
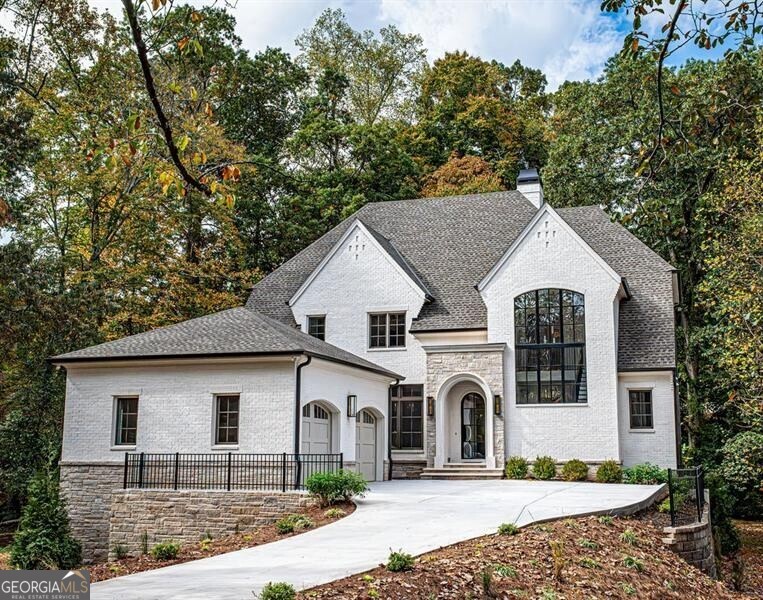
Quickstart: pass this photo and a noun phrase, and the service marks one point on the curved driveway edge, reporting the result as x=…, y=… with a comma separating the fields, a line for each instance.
x=416, y=516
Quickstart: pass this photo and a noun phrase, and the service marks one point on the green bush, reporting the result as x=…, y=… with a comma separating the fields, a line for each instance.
x=508, y=529
x=333, y=487
x=292, y=523
x=165, y=551
x=334, y=513
x=44, y=539
x=645, y=474
x=516, y=467
x=725, y=533
x=278, y=591
x=742, y=470
x=575, y=470
x=119, y=551
x=609, y=472
x=544, y=467
x=399, y=561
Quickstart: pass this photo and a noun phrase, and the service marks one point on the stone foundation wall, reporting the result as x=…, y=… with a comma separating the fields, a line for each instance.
x=86, y=489
x=407, y=469
x=694, y=543
x=188, y=515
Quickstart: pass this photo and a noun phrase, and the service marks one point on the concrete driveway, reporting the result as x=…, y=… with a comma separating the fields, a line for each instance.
x=415, y=516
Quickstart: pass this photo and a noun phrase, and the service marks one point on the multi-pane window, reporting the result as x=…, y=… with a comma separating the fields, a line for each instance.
x=226, y=421
x=549, y=329
x=641, y=409
x=386, y=330
x=407, y=418
x=316, y=326
x=126, y=421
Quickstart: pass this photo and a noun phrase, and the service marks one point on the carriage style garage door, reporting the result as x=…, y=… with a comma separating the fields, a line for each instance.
x=316, y=430
x=365, y=445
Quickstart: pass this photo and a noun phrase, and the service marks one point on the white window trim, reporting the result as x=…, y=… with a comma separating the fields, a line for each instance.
x=313, y=316
x=214, y=445
x=114, y=412
x=640, y=388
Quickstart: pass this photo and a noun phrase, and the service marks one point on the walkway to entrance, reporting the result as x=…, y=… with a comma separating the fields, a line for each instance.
x=415, y=516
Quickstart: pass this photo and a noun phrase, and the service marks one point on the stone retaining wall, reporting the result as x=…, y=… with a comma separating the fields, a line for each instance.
x=694, y=543
x=188, y=515
x=407, y=469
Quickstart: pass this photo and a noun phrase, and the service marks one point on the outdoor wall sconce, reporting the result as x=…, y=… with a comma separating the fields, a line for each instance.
x=497, y=401
x=430, y=406
x=352, y=406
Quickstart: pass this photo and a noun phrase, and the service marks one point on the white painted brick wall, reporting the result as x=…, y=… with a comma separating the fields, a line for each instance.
x=656, y=446
x=589, y=431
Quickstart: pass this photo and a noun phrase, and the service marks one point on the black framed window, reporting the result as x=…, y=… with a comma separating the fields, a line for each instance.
x=549, y=333
x=126, y=422
x=407, y=418
x=316, y=326
x=386, y=330
x=640, y=402
x=226, y=419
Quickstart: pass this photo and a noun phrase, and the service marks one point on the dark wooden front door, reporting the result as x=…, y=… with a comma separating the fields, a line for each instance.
x=472, y=426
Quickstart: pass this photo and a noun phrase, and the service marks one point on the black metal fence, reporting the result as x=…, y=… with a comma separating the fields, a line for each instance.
x=226, y=471
x=686, y=489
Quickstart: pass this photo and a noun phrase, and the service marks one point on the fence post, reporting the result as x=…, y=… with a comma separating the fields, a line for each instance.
x=283, y=473
x=699, y=499
x=670, y=495
x=126, y=459
x=229, y=459
x=177, y=467
x=140, y=472
x=341, y=461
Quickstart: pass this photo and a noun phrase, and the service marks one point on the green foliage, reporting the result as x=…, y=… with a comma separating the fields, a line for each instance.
x=165, y=551
x=633, y=563
x=292, y=523
x=609, y=472
x=575, y=470
x=119, y=551
x=606, y=520
x=589, y=544
x=516, y=467
x=544, y=467
x=333, y=487
x=505, y=570
x=144, y=543
x=627, y=588
x=278, y=591
x=645, y=474
x=742, y=470
x=399, y=561
x=334, y=513
x=488, y=585
x=44, y=539
x=508, y=529
x=590, y=563
x=629, y=537
x=722, y=505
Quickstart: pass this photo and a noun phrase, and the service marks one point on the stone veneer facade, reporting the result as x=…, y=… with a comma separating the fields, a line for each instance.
x=694, y=543
x=186, y=516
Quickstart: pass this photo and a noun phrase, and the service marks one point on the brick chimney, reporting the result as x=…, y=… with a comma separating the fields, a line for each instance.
x=529, y=185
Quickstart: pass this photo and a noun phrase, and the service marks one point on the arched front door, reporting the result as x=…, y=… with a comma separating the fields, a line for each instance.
x=472, y=426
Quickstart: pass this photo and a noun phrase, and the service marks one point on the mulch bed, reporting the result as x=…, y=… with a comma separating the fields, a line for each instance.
x=239, y=541
x=745, y=570
x=522, y=566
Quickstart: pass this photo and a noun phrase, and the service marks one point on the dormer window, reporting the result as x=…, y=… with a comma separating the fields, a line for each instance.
x=386, y=330
x=316, y=326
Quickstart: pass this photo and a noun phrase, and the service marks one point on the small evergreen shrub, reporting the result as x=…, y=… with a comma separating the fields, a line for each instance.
x=575, y=470
x=333, y=487
x=165, y=551
x=44, y=539
x=144, y=543
x=516, y=467
x=292, y=523
x=742, y=470
x=609, y=472
x=645, y=474
x=278, y=591
x=544, y=467
x=508, y=529
x=399, y=561
x=334, y=513
x=119, y=551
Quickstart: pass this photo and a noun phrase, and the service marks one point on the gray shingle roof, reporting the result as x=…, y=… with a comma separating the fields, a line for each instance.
x=234, y=332
x=451, y=244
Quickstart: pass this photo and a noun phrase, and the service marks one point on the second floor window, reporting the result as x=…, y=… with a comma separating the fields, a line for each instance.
x=386, y=330
x=316, y=326
x=226, y=420
x=127, y=422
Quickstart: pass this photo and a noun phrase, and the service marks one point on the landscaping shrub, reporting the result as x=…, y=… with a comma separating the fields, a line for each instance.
x=120, y=551
x=544, y=467
x=44, y=539
x=508, y=529
x=399, y=561
x=645, y=474
x=278, y=591
x=609, y=472
x=575, y=470
x=334, y=513
x=516, y=467
x=742, y=470
x=333, y=487
x=165, y=551
x=292, y=523
x=725, y=533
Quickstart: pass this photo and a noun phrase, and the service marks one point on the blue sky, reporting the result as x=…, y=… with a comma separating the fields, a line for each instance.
x=567, y=39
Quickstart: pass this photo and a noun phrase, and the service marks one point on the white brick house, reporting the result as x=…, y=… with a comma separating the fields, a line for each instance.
x=457, y=330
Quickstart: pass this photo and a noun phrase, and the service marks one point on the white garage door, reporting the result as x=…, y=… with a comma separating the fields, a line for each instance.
x=365, y=445
x=316, y=430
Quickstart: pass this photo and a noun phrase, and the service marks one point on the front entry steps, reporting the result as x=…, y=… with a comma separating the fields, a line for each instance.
x=462, y=471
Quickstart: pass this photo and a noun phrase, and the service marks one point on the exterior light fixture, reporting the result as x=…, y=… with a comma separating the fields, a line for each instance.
x=430, y=406
x=497, y=401
x=352, y=406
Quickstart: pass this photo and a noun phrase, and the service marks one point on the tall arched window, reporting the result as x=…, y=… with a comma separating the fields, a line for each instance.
x=549, y=329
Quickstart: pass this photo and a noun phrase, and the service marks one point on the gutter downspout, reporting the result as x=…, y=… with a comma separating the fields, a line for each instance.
x=389, y=428
x=298, y=418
